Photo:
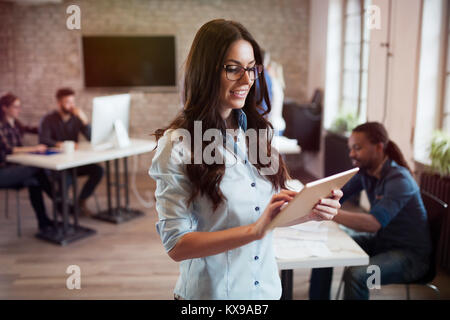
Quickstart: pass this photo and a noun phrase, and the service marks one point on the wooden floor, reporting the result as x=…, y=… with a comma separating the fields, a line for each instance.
x=124, y=261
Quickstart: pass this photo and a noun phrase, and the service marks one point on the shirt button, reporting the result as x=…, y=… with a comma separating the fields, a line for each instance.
x=256, y=283
x=257, y=208
x=253, y=184
x=256, y=257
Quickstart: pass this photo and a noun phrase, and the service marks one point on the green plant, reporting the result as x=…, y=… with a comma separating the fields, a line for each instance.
x=440, y=152
x=344, y=123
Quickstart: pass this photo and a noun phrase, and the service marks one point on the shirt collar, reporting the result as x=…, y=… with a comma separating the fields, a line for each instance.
x=379, y=170
x=386, y=166
x=242, y=119
x=6, y=123
x=382, y=170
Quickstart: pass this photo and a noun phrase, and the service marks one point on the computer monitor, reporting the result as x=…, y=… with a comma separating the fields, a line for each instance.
x=107, y=111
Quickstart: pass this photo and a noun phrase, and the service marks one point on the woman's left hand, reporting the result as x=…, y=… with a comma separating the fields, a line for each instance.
x=327, y=208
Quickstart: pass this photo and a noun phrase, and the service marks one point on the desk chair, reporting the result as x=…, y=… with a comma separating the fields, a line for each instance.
x=436, y=211
x=19, y=221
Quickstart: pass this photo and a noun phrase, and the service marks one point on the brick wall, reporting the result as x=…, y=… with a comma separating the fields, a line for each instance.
x=38, y=53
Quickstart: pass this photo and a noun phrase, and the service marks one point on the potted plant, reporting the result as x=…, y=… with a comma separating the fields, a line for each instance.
x=344, y=124
x=440, y=153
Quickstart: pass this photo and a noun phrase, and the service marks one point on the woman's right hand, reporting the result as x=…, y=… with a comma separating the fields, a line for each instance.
x=272, y=209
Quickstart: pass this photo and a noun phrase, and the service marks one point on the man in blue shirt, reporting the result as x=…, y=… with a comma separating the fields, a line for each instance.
x=397, y=237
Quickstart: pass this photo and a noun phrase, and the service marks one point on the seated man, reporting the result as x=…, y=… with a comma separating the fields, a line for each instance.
x=66, y=123
x=397, y=237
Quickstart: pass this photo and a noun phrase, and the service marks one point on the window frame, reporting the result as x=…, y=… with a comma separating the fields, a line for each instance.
x=362, y=14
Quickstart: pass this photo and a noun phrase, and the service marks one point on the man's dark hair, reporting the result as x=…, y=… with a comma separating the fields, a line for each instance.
x=64, y=92
x=377, y=133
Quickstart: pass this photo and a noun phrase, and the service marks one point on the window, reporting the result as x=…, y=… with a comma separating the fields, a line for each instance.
x=353, y=95
x=444, y=118
x=433, y=100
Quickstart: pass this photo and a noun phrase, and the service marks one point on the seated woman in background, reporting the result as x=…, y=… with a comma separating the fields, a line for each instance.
x=11, y=175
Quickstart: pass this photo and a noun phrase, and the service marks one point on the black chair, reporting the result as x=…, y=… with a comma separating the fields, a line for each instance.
x=436, y=210
x=304, y=121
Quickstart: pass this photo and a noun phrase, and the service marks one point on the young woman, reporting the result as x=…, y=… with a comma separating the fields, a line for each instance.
x=213, y=216
x=11, y=133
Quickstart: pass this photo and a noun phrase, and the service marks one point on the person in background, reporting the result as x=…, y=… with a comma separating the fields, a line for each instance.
x=214, y=218
x=11, y=175
x=396, y=232
x=66, y=123
x=263, y=109
x=275, y=117
x=275, y=86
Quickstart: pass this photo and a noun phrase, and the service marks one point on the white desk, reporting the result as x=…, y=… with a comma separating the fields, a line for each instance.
x=344, y=252
x=285, y=145
x=64, y=232
x=84, y=155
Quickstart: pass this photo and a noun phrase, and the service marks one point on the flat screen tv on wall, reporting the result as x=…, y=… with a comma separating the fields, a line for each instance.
x=129, y=61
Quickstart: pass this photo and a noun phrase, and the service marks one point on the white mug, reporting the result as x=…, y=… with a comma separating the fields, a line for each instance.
x=69, y=147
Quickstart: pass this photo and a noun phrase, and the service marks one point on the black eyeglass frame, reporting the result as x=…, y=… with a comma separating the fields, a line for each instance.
x=258, y=68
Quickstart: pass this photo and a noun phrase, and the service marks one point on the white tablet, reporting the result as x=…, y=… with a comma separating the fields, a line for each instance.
x=308, y=197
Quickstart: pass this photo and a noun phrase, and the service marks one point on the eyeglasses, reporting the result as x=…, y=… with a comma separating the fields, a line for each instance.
x=235, y=72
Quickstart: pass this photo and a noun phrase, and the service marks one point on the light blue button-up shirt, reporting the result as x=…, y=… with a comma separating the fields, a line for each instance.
x=247, y=272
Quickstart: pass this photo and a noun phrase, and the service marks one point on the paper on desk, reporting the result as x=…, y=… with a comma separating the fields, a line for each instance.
x=295, y=249
x=312, y=230
x=301, y=241
x=313, y=226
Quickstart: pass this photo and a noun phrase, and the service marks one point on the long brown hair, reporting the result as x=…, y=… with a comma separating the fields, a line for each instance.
x=202, y=82
x=377, y=133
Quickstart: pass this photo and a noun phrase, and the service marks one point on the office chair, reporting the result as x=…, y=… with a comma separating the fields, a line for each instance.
x=436, y=211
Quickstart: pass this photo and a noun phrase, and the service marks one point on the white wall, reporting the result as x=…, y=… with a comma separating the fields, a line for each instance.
x=398, y=114
x=317, y=45
x=313, y=162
